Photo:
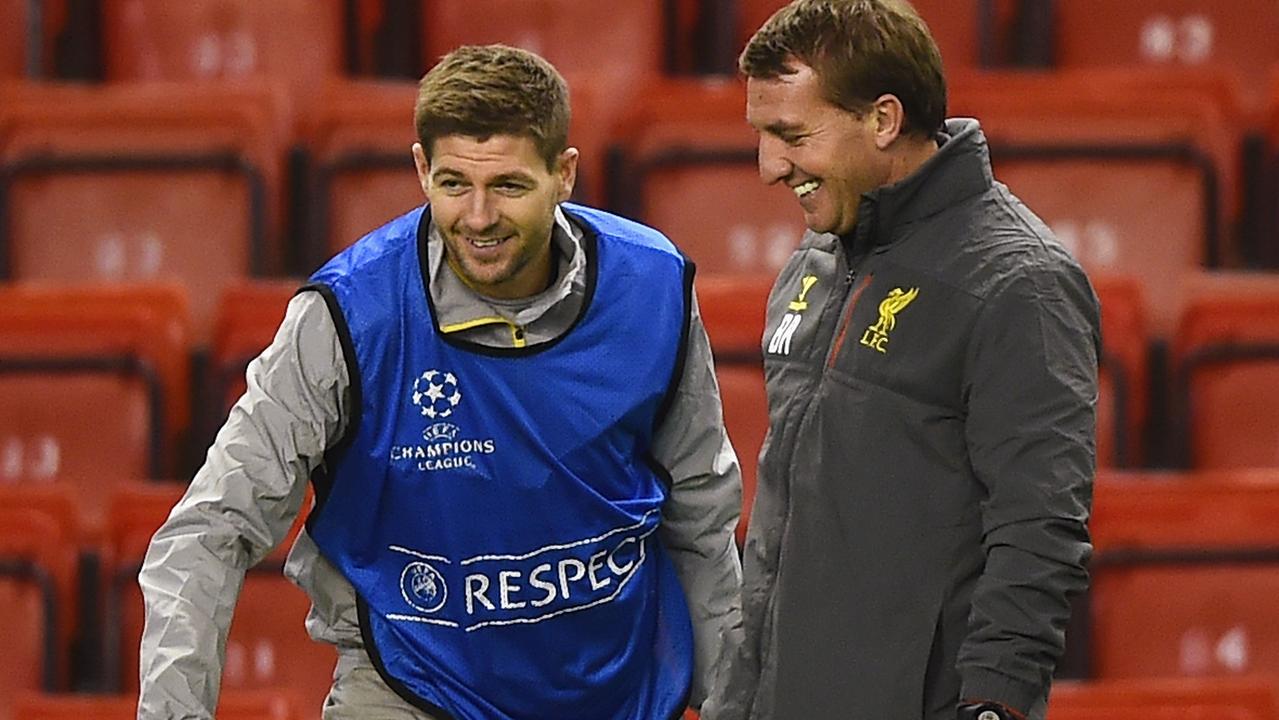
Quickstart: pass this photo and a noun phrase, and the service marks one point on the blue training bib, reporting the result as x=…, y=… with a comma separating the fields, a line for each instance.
x=496, y=509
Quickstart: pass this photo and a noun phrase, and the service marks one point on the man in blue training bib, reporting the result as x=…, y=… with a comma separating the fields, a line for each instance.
x=524, y=495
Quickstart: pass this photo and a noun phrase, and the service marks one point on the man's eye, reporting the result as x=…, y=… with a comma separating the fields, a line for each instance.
x=449, y=184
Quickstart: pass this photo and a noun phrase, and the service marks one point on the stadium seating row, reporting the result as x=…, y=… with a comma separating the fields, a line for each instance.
x=45, y=526
x=148, y=38
x=201, y=184
x=1183, y=577
x=1200, y=399
x=300, y=41
x=101, y=376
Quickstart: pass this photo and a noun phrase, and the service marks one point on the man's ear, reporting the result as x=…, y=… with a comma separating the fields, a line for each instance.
x=423, y=166
x=566, y=173
x=890, y=117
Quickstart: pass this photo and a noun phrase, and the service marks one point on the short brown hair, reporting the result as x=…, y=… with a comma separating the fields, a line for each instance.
x=485, y=90
x=860, y=50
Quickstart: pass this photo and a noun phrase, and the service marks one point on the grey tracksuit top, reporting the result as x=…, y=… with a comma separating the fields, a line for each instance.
x=920, y=515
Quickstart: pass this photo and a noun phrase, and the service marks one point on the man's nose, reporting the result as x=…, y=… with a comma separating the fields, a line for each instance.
x=481, y=212
x=773, y=165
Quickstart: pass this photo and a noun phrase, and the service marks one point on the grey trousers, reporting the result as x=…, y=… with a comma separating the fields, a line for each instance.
x=359, y=693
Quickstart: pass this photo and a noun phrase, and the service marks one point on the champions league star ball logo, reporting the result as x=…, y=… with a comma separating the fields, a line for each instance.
x=423, y=587
x=436, y=393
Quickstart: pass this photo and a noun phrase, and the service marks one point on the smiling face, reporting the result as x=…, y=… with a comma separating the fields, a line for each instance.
x=494, y=201
x=827, y=155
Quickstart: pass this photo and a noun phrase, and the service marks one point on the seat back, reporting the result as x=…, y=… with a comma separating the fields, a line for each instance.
x=1183, y=578
x=361, y=170
x=248, y=317
x=732, y=309
x=956, y=26
x=565, y=32
x=38, y=603
x=267, y=648
x=606, y=71
x=296, y=43
x=1265, y=248
x=1226, y=371
x=1163, y=699
x=685, y=163
x=14, y=49
x=172, y=183
x=92, y=378
x=1137, y=173
x=741, y=389
x=1124, y=376
x=1236, y=36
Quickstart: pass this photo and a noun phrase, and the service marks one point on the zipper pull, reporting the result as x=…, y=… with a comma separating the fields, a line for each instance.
x=848, y=279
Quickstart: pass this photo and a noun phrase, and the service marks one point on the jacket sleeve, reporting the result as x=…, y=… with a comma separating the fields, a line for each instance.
x=239, y=506
x=1031, y=388
x=700, y=517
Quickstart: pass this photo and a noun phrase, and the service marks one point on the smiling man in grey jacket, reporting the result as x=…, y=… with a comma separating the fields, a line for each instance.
x=525, y=497
x=931, y=361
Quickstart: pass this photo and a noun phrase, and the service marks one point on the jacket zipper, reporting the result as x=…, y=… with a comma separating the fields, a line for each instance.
x=848, y=315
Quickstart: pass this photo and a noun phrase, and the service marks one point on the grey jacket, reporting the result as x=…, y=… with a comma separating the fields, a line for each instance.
x=244, y=499
x=920, y=518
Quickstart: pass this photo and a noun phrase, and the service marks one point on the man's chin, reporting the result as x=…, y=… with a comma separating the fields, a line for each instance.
x=818, y=226
x=486, y=279
x=823, y=226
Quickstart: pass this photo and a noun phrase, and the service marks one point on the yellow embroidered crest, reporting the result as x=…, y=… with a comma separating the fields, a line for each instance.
x=876, y=336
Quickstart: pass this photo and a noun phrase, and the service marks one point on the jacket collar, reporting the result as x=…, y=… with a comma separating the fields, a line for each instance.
x=959, y=169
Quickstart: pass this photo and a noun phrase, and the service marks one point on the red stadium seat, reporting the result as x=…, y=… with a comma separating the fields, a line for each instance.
x=1164, y=699
x=1266, y=240
x=1137, y=173
x=296, y=43
x=605, y=72
x=741, y=389
x=1226, y=371
x=170, y=182
x=94, y=381
x=268, y=647
x=15, y=44
x=1237, y=36
x=248, y=316
x=1184, y=575
x=955, y=25
x=234, y=705
x=565, y=32
x=18, y=45
x=358, y=141
x=732, y=309
x=685, y=163
x=1122, y=403
x=38, y=603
